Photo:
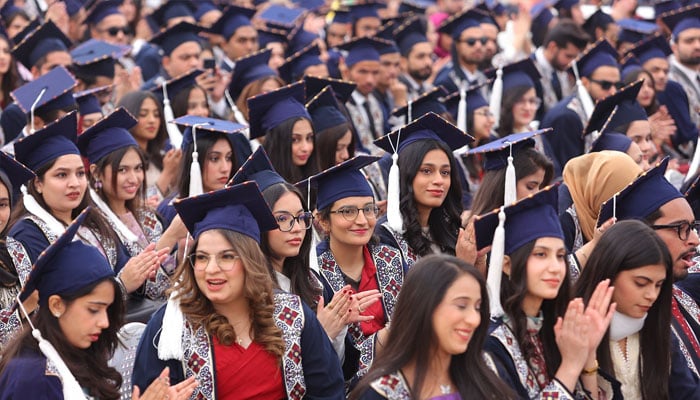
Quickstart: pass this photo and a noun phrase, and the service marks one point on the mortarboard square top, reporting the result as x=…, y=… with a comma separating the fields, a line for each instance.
x=599, y=19
x=66, y=266
x=44, y=40
x=365, y=9
x=177, y=84
x=342, y=89
x=45, y=145
x=257, y=168
x=87, y=100
x=409, y=34
x=599, y=55
x=642, y=197
x=95, y=57
x=633, y=31
x=101, y=10
x=295, y=65
x=603, y=115
x=249, y=69
x=428, y=127
x=205, y=127
x=203, y=7
x=496, y=152
x=281, y=17
x=33, y=25
x=614, y=141
x=528, y=219
x=415, y=6
x=682, y=19
x=664, y=6
x=56, y=85
x=455, y=25
x=298, y=39
x=268, y=35
x=364, y=49
x=475, y=100
x=239, y=208
x=628, y=109
x=340, y=181
x=233, y=18
x=13, y=174
x=521, y=73
x=107, y=135
x=325, y=111
x=426, y=103
x=172, y=38
x=172, y=9
x=270, y=109
x=650, y=48
x=341, y=16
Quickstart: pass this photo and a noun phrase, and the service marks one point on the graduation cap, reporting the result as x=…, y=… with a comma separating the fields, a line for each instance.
x=249, y=69
x=233, y=18
x=628, y=108
x=299, y=39
x=172, y=38
x=31, y=27
x=628, y=65
x=541, y=14
x=45, y=145
x=282, y=17
x=642, y=197
x=203, y=7
x=13, y=174
x=178, y=84
x=172, y=9
x=95, y=58
x=340, y=181
x=605, y=114
x=257, y=168
x=598, y=55
x=87, y=100
x=497, y=152
x=107, y=135
x=664, y=6
x=295, y=65
x=614, y=141
x=521, y=73
x=12, y=120
x=415, y=6
x=366, y=9
x=270, y=109
x=682, y=19
x=42, y=41
x=325, y=111
x=311, y=5
x=599, y=19
x=341, y=16
x=492, y=7
x=51, y=91
x=342, y=89
x=473, y=99
x=364, y=49
x=239, y=208
x=271, y=35
x=565, y=4
x=650, y=48
x=409, y=34
x=633, y=30
x=205, y=127
x=429, y=101
x=428, y=127
x=101, y=10
x=455, y=25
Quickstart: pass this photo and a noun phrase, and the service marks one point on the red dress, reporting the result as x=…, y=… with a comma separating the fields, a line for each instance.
x=368, y=281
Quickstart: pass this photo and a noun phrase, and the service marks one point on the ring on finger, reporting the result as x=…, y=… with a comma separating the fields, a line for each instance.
x=330, y=306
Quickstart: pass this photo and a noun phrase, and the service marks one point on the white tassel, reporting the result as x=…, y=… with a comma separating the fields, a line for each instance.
x=173, y=132
x=33, y=207
x=582, y=93
x=119, y=226
x=510, y=194
x=31, y=110
x=496, y=96
x=313, y=258
x=237, y=114
x=170, y=343
x=493, y=280
x=196, y=187
x=614, y=207
x=462, y=107
x=393, y=196
x=409, y=114
x=694, y=164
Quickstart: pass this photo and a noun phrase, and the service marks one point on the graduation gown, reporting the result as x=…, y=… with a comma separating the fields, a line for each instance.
x=685, y=324
x=676, y=101
x=30, y=376
x=566, y=142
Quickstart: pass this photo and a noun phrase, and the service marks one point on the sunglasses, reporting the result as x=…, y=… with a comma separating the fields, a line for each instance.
x=472, y=41
x=605, y=85
x=114, y=30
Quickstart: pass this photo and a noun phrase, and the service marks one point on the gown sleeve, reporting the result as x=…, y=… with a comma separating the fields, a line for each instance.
x=25, y=377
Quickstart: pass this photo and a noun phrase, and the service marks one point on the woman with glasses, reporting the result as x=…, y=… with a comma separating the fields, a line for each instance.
x=519, y=101
x=225, y=324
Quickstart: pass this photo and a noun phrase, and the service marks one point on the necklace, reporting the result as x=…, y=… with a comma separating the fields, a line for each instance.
x=446, y=389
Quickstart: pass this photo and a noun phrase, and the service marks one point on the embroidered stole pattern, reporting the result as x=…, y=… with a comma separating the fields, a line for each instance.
x=392, y=386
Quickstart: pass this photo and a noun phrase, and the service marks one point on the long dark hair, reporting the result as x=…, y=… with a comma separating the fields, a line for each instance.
x=10, y=80
x=132, y=101
x=412, y=337
x=181, y=100
x=526, y=162
x=444, y=221
x=89, y=366
x=634, y=76
x=615, y=252
x=510, y=97
x=513, y=291
x=204, y=144
x=295, y=268
x=327, y=143
x=113, y=159
x=278, y=144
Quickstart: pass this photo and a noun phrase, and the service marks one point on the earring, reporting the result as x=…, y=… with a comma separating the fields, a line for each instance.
x=57, y=314
x=98, y=185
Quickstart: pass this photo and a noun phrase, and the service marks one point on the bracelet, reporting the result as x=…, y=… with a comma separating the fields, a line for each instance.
x=125, y=293
x=591, y=371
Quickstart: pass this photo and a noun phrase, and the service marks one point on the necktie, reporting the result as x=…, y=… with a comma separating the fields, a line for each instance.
x=372, y=128
x=556, y=85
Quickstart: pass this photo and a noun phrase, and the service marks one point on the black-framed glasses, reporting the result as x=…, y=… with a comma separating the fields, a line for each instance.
x=285, y=220
x=114, y=30
x=472, y=41
x=605, y=85
x=350, y=213
x=682, y=228
x=225, y=260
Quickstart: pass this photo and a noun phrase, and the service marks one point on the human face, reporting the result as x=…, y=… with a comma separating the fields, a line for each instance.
x=89, y=120
x=86, y=317
x=197, y=103
x=605, y=73
x=636, y=153
x=457, y=316
x=276, y=55
x=564, y=56
x=5, y=57
x=546, y=271
x=287, y=244
x=530, y=184
x=115, y=23
x=491, y=47
x=341, y=148
x=637, y=289
x=367, y=26
x=53, y=60
x=217, y=166
x=302, y=142
x=646, y=92
x=336, y=34
x=389, y=69
x=470, y=54
x=524, y=110
x=365, y=74
x=611, y=33
x=658, y=68
x=128, y=9
x=482, y=123
x=4, y=207
x=351, y=233
x=183, y=59
x=17, y=25
x=682, y=251
x=640, y=133
x=432, y=181
x=149, y=122
x=63, y=185
x=687, y=47
x=129, y=178
x=243, y=42
x=419, y=63
x=222, y=288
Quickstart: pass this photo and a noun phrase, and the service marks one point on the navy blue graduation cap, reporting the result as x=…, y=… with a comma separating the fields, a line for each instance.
x=682, y=19
x=605, y=113
x=239, y=208
x=496, y=152
x=325, y=111
x=107, y=135
x=9, y=9
x=409, y=34
x=172, y=9
x=340, y=181
x=599, y=19
x=206, y=127
x=429, y=101
x=664, y=6
x=95, y=57
x=315, y=6
x=633, y=30
x=270, y=109
x=42, y=41
x=628, y=108
x=271, y=35
x=249, y=69
x=642, y=197
x=475, y=100
x=203, y=7
x=233, y=18
x=364, y=49
x=628, y=65
x=33, y=25
x=101, y=10
x=177, y=84
x=492, y=7
x=257, y=168
x=650, y=48
x=282, y=17
x=528, y=219
x=415, y=6
x=12, y=120
x=611, y=141
x=45, y=145
x=87, y=100
x=294, y=66
x=341, y=16
x=598, y=55
x=172, y=38
x=541, y=14
x=365, y=9
x=66, y=266
x=455, y=25
x=565, y=4
x=428, y=127
x=298, y=39
x=13, y=174
x=521, y=73
x=342, y=89
x=53, y=91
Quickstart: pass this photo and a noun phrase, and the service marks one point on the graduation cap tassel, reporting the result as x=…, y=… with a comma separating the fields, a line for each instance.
x=393, y=194
x=510, y=193
x=694, y=164
x=196, y=186
x=462, y=107
x=237, y=114
x=582, y=93
x=409, y=114
x=493, y=279
x=170, y=345
x=31, y=111
x=496, y=96
x=313, y=258
x=173, y=132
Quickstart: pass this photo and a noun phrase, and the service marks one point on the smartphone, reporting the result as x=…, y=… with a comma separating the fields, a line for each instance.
x=209, y=64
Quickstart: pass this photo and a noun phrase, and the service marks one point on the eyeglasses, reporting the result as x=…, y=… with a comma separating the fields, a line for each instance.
x=114, y=30
x=682, y=228
x=225, y=260
x=285, y=221
x=350, y=213
x=484, y=113
x=535, y=101
x=472, y=41
x=605, y=85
